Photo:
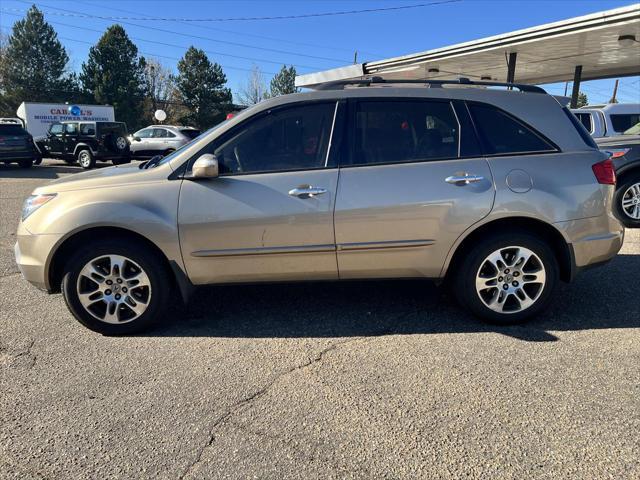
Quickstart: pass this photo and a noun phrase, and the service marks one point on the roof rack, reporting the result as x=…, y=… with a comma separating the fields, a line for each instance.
x=367, y=82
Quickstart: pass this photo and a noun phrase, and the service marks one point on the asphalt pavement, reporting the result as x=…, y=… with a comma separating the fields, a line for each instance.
x=324, y=380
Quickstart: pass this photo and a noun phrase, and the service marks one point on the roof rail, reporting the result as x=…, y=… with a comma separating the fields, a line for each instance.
x=367, y=82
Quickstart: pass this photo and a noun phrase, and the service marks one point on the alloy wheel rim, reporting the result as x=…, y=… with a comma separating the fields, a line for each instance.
x=84, y=159
x=631, y=201
x=510, y=280
x=114, y=289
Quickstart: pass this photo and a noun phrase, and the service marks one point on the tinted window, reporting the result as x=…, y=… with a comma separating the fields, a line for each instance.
x=401, y=131
x=87, y=129
x=159, y=133
x=190, y=133
x=294, y=138
x=585, y=119
x=71, y=128
x=622, y=122
x=501, y=134
x=10, y=129
x=56, y=129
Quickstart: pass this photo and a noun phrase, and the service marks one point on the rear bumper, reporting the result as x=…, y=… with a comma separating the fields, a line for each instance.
x=14, y=156
x=593, y=241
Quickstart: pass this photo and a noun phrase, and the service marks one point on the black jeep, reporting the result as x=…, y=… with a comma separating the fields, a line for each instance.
x=16, y=145
x=86, y=142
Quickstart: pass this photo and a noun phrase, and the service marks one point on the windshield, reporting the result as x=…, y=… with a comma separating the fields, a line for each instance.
x=155, y=161
x=635, y=130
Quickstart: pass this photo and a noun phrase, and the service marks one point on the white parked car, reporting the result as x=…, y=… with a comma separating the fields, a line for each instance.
x=608, y=120
x=160, y=140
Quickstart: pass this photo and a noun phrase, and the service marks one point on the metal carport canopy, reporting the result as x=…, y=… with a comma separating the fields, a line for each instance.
x=543, y=54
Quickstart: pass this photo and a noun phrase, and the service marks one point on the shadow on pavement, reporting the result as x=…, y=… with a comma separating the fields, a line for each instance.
x=47, y=170
x=606, y=297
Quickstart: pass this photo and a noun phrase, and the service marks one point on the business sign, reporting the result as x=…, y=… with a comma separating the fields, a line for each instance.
x=38, y=116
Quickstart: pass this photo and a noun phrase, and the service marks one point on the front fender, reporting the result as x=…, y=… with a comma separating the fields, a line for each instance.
x=149, y=211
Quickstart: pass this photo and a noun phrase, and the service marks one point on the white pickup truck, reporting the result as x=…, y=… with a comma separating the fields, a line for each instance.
x=608, y=120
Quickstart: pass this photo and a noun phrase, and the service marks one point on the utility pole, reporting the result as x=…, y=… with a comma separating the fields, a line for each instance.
x=615, y=92
x=355, y=57
x=566, y=85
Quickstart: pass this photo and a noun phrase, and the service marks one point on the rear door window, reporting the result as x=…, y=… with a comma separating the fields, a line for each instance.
x=404, y=131
x=71, y=128
x=624, y=121
x=502, y=134
x=159, y=133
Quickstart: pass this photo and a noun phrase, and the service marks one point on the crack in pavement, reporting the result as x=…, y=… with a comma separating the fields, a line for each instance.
x=236, y=407
x=26, y=352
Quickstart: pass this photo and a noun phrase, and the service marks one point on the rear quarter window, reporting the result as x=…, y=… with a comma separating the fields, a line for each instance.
x=502, y=134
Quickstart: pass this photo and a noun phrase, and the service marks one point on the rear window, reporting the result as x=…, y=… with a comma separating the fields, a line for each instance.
x=119, y=128
x=588, y=139
x=10, y=129
x=502, y=134
x=190, y=133
x=622, y=122
x=585, y=119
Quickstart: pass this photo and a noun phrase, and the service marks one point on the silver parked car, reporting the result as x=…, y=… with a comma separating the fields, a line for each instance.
x=160, y=140
x=500, y=192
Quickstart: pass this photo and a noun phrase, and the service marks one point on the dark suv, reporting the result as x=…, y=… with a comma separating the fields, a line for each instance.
x=86, y=142
x=16, y=145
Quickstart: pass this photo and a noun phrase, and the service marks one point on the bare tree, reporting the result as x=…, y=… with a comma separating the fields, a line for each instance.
x=162, y=91
x=255, y=90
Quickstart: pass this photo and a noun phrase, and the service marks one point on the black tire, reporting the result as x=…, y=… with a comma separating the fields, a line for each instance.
x=37, y=160
x=122, y=160
x=86, y=159
x=155, y=268
x=28, y=163
x=464, y=283
x=626, y=187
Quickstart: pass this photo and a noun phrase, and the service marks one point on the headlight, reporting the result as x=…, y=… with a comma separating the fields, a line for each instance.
x=34, y=202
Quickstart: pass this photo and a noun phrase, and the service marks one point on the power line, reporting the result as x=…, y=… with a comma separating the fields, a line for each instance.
x=199, y=37
x=211, y=52
x=247, y=34
x=277, y=17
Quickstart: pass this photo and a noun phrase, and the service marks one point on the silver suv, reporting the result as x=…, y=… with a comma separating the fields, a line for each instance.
x=500, y=193
x=160, y=140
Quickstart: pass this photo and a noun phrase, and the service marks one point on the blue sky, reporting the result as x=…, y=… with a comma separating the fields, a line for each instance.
x=311, y=44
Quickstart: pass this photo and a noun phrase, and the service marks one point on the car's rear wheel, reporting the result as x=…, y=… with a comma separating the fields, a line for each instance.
x=86, y=159
x=116, y=287
x=627, y=201
x=508, y=278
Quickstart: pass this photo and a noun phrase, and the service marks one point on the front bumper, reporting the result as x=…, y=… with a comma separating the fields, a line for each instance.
x=33, y=256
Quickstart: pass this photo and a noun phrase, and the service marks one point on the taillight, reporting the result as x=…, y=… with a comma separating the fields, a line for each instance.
x=618, y=152
x=604, y=172
x=230, y=116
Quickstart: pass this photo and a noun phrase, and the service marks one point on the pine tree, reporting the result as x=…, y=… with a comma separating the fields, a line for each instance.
x=202, y=87
x=33, y=65
x=284, y=82
x=582, y=100
x=114, y=74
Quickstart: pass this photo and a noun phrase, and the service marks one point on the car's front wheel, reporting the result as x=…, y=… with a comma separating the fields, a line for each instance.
x=116, y=287
x=507, y=278
x=627, y=201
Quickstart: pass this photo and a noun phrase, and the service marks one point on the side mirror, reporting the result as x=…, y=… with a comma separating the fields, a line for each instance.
x=205, y=167
x=137, y=139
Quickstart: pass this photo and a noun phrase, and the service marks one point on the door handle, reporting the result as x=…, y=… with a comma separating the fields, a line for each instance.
x=463, y=179
x=306, y=191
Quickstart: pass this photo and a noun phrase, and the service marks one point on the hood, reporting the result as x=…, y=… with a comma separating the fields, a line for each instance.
x=128, y=174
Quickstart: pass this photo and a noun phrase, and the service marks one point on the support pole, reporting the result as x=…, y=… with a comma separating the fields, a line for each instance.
x=511, y=67
x=577, y=75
